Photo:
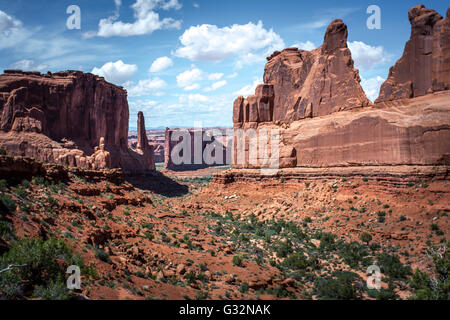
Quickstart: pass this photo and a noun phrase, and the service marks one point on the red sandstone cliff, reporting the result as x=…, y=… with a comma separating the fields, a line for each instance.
x=67, y=117
x=301, y=84
x=425, y=65
x=304, y=91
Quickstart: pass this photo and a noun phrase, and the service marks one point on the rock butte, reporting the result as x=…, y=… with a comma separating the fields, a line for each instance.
x=69, y=118
x=323, y=116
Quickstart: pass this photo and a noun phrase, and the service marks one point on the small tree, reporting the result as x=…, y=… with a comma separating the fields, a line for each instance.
x=365, y=237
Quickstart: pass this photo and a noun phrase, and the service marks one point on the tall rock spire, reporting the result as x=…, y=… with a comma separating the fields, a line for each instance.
x=425, y=64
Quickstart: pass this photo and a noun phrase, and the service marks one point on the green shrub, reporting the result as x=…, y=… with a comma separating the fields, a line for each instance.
x=365, y=237
x=353, y=254
x=102, y=255
x=342, y=285
x=297, y=261
x=237, y=260
x=7, y=204
x=283, y=249
x=392, y=267
x=382, y=294
x=40, y=271
x=244, y=287
x=3, y=152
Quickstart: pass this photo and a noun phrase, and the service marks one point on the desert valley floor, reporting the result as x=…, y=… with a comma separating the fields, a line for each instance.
x=190, y=236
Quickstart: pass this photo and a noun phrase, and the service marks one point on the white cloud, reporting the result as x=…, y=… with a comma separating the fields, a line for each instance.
x=211, y=43
x=192, y=87
x=146, y=87
x=233, y=75
x=215, y=76
x=308, y=45
x=147, y=20
x=116, y=72
x=12, y=31
x=217, y=85
x=161, y=64
x=366, y=56
x=8, y=24
x=196, y=5
x=28, y=65
x=249, y=89
x=372, y=86
x=194, y=99
x=189, y=77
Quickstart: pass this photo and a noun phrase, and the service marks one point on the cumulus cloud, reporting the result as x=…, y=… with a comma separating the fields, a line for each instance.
x=308, y=45
x=192, y=100
x=192, y=87
x=249, y=89
x=215, y=76
x=147, y=20
x=372, y=86
x=161, y=64
x=210, y=43
x=116, y=72
x=367, y=56
x=154, y=86
x=12, y=31
x=216, y=85
x=189, y=77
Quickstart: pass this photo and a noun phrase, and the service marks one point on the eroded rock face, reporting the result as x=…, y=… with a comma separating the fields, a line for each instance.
x=318, y=117
x=425, y=64
x=70, y=117
x=299, y=84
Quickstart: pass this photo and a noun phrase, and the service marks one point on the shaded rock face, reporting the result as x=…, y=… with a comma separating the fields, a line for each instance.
x=69, y=117
x=425, y=64
x=143, y=146
x=299, y=84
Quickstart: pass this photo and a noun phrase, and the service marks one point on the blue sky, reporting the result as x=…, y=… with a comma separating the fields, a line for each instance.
x=184, y=61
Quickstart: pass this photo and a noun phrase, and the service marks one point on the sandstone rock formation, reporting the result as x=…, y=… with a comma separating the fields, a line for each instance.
x=425, y=64
x=202, y=148
x=143, y=146
x=69, y=118
x=314, y=104
x=301, y=84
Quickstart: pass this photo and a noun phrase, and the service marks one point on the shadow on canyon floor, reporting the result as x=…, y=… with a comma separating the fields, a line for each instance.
x=158, y=183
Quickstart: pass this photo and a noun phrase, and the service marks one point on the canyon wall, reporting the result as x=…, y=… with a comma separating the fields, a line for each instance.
x=321, y=117
x=424, y=67
x=70, y=118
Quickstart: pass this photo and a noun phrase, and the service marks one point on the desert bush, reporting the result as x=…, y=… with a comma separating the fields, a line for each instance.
x=365, y=237
x=297, y=261
x=41, y=270
x=7, y=204
x=391, y=266
x=342, y=285
x=237, y=260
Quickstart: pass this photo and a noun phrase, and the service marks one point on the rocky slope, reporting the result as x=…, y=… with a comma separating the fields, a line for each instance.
x=276, y=239
x=67, y=117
